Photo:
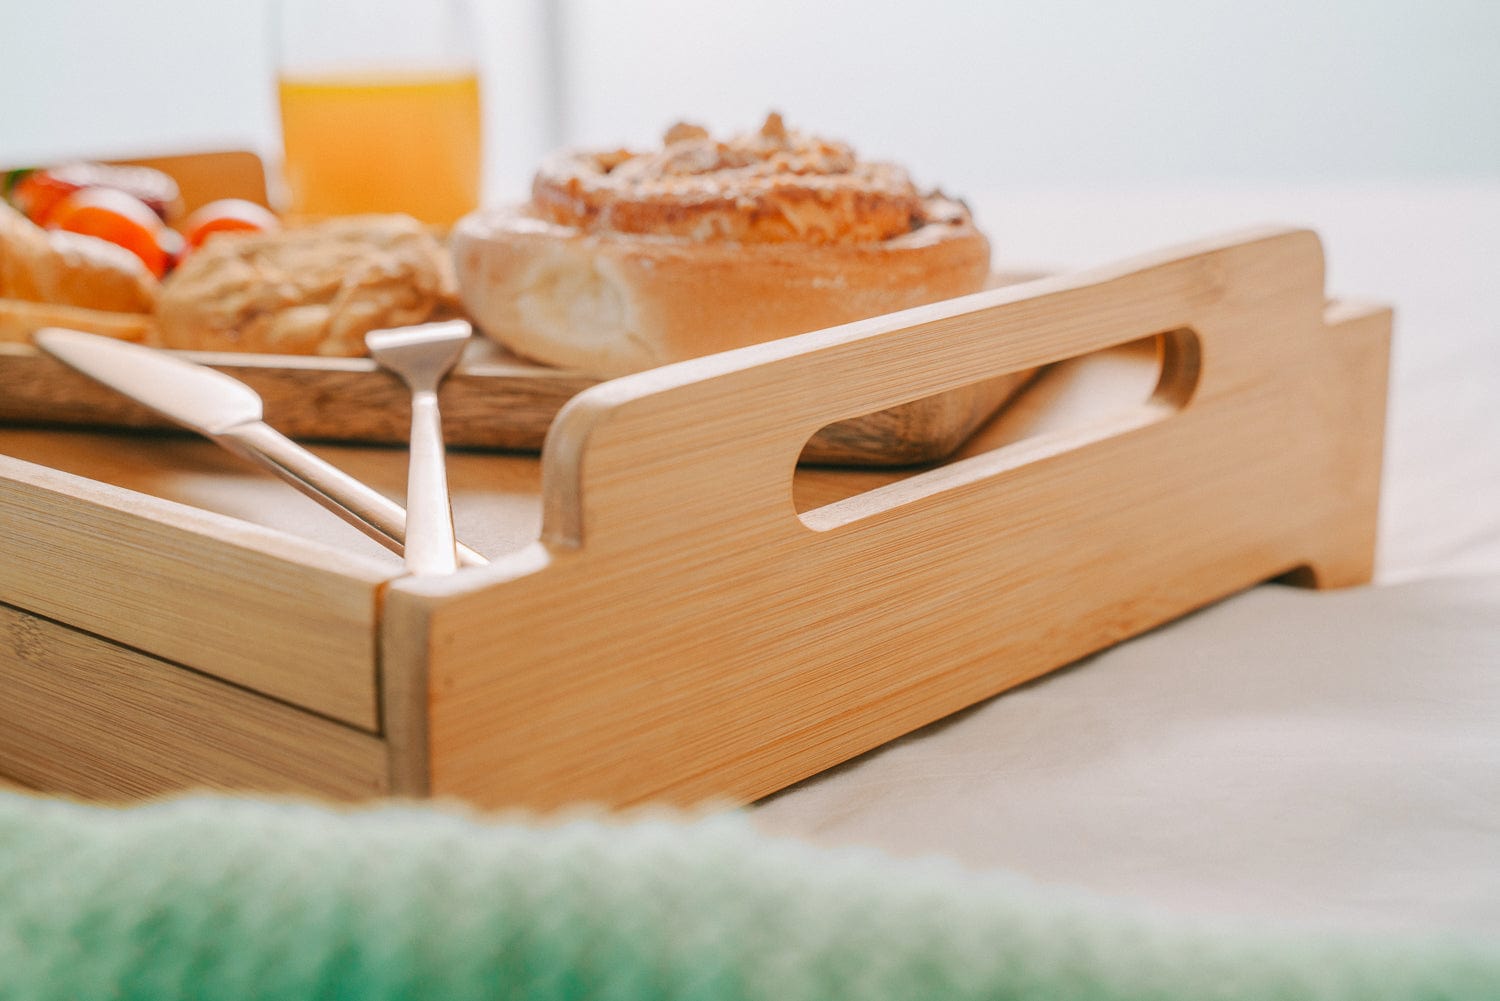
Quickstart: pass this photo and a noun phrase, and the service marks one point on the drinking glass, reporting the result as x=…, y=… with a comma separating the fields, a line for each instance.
x=380, y=107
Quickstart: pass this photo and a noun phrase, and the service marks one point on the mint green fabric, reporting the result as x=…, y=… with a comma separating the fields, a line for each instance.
x=213, y=899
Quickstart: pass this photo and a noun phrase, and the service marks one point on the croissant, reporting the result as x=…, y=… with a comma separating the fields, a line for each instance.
x=623, y=261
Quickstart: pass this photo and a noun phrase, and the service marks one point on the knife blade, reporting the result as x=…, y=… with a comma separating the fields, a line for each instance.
x=229, y=413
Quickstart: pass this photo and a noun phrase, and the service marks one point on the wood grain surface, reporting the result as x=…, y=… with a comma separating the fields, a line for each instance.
x=676, y=610
x=286, y=617
x=88, y=717
x=208, y=176
x=681, y=633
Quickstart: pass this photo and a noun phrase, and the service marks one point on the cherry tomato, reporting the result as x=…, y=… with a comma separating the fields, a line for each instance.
x=225, y=216
x=114, y=216
x=38, y=193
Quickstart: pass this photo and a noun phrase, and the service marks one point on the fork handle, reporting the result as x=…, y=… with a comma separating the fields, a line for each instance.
x=368, y=510
x=429, y=515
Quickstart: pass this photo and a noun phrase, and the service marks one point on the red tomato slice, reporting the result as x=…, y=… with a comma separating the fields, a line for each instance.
x=228, y=215
x=38, y=193
x=114, y=216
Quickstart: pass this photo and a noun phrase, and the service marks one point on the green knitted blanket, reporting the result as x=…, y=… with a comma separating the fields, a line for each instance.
x=213, y=899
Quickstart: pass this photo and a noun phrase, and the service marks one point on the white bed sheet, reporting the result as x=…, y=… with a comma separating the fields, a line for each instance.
x=1331, y=757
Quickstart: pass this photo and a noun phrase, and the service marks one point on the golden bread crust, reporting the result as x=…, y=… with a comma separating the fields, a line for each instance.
x=626, y=261
x=69, y=269
x=608, y=304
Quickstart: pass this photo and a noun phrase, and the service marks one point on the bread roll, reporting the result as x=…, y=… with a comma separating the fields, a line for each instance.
x=69, y=269
x=316, y=289
x=625, y=261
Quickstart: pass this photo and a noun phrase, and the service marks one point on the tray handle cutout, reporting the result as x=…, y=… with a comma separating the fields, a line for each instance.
x=711, y=444
x=1066, y=406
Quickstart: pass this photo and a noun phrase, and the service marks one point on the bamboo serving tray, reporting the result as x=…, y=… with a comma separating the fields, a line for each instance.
x=492, y=400
x=675, y=611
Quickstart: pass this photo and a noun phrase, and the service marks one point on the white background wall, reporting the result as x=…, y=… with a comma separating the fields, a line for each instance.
x=1072, y=90
x=971, y=95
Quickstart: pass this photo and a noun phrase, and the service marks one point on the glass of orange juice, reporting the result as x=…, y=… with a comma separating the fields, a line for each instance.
x=380, y=107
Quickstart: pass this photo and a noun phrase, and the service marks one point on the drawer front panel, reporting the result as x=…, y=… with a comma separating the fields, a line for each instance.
x=84, y=716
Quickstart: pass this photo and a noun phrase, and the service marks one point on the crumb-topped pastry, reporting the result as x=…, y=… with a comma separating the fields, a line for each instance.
x=316, y=289
x=627, y=260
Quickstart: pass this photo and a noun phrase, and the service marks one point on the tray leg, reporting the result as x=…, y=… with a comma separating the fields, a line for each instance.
x=1342, y=554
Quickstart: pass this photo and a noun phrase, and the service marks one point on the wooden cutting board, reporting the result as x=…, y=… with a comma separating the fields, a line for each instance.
x=493, y=400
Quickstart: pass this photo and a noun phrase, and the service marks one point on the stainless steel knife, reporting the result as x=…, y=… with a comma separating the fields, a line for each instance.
x=228, y=412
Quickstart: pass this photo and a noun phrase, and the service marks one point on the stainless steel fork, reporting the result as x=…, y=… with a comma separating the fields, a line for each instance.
x=422, y=356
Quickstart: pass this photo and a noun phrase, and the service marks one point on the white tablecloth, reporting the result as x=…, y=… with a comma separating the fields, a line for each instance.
x=1331, y=757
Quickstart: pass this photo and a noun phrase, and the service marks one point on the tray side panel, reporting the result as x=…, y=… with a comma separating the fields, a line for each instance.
x=87, y=717
x=682, y=635
x=293, y=620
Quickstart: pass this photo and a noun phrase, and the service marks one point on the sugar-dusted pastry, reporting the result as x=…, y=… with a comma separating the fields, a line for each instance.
x=625, y=260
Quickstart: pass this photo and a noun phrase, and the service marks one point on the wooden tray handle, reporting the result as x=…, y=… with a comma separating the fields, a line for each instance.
x=701, y=639
x=720, y=436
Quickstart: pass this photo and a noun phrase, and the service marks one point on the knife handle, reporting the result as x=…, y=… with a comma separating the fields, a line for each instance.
x=368, y=510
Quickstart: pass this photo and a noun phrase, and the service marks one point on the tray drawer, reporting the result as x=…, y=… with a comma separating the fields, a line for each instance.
x=262, y=610
x=85, y=716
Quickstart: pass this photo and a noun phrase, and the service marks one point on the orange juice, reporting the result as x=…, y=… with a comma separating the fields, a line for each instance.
x=382, y=143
